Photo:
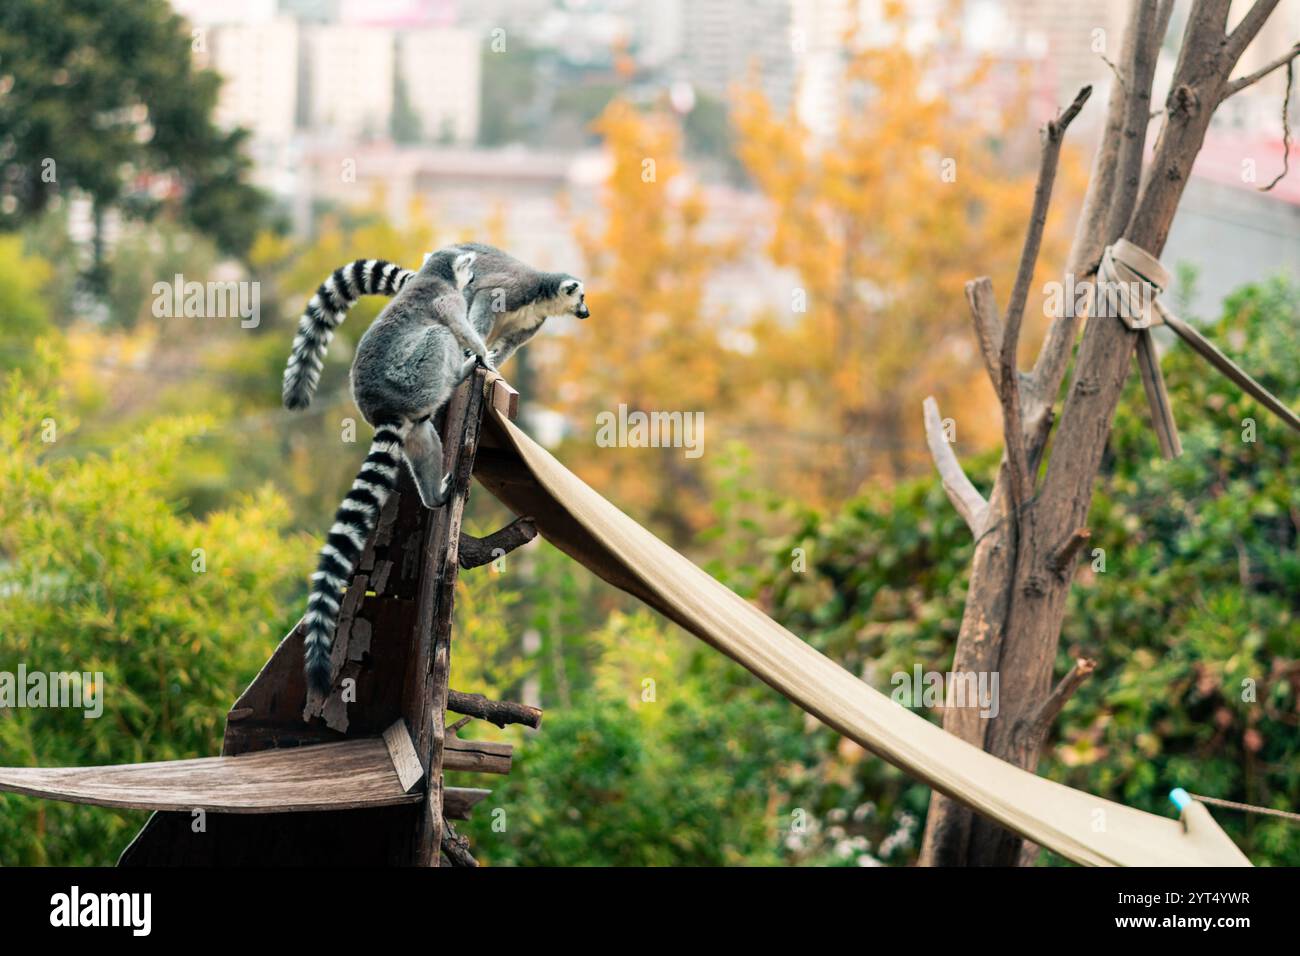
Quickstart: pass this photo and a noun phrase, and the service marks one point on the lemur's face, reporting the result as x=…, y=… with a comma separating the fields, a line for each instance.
x=574, y=297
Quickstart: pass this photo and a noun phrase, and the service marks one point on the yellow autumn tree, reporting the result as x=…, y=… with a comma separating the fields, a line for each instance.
x=925, y=183
x=652, y=343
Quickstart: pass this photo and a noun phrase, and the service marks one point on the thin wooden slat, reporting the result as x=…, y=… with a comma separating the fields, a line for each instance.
x=504, y=397
x=479, y=756
x=402, y=752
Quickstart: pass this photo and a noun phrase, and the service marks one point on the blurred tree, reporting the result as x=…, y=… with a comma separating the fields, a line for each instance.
x=882, y=223
x=509, y=90
x=404, y=125
x=102, y=98
x=23, y=312
x=648, y=266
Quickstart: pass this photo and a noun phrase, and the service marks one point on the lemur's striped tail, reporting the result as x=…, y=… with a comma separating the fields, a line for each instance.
x=326, y=310
x=353, y=523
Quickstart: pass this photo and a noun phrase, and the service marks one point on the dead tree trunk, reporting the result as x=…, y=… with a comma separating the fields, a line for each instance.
x=1031, y=532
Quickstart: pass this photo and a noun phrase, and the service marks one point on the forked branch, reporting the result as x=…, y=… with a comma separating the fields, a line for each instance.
x=1239, y=84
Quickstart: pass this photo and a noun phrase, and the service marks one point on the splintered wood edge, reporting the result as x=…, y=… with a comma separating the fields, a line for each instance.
x=401, y=750
x=504, y=398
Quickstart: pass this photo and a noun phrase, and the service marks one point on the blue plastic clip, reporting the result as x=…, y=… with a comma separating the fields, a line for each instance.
x=1180, y=798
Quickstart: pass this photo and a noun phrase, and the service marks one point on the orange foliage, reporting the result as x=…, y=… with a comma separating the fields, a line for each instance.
x=651, y=343
x=883, y=225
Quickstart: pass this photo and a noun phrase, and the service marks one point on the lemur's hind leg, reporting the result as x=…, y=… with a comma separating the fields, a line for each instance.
x=423, y=450
x=459, y=324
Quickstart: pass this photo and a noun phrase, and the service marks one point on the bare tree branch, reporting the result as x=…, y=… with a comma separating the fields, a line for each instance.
x=1248, y=28
x=499, y=712
x=1137, y=117
x=970, y=504
x=1141, y=44
x=1009, y=385
x=455, y=848
x=1239, y=84
x=1035, y=732
x=988, y=327
x=1064, y=556
x=476, y=552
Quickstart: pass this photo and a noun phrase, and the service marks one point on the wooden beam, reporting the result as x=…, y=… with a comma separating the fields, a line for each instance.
x=457, y=802
x=503, y=396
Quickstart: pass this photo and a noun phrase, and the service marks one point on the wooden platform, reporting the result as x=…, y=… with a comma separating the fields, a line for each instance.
x=350, y=775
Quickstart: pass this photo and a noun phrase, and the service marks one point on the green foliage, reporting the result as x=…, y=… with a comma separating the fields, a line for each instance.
x=98, y=575
x=659, y=762
x=1192, y=621
x=656, y=750
x=23, y=313
x=104, y=94
x=509, y=91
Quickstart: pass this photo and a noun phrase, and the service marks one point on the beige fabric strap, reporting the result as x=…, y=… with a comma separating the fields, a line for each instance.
x=1135, y=277
x=1079, y=826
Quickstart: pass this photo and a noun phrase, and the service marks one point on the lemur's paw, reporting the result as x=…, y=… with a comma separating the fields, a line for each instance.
x=462, y=269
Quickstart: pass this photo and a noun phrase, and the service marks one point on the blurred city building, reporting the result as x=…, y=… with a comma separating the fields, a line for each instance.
x=350, y=99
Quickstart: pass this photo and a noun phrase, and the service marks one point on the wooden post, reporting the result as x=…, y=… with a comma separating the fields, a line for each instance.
x=425, y=698
x=393, y=640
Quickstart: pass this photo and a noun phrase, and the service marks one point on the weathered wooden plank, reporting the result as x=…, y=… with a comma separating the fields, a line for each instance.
x=402, y=752
x=479, y=756
x=348, y=775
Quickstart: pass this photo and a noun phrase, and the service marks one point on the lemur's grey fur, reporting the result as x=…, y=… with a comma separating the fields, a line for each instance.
x=406, y=366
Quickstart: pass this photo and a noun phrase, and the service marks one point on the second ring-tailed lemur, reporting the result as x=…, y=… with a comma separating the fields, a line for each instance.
x=406, y=366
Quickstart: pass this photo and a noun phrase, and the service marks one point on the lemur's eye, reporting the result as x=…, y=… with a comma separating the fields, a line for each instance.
x=570, y=288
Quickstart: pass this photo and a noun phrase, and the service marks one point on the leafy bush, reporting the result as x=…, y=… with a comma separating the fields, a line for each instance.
x=99, y=573
x=1192, y=621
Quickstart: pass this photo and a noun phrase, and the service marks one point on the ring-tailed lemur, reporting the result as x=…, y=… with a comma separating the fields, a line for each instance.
x=329, y=307
x=406, y=366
